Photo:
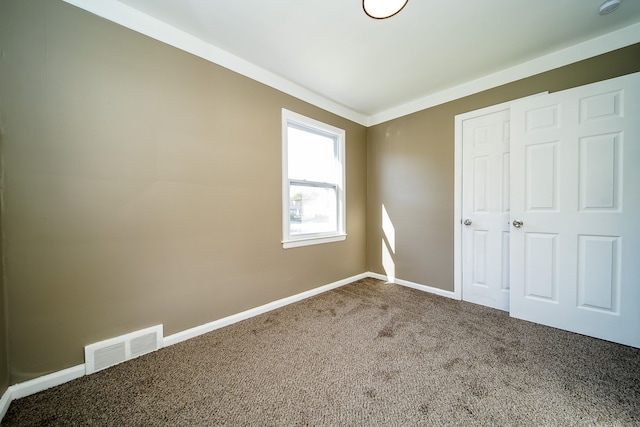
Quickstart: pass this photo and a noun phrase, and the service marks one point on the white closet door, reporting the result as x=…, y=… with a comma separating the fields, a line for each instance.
x=485, y=209
x=575, y=187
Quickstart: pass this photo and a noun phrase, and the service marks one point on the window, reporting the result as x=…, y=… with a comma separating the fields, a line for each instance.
x=313, y=199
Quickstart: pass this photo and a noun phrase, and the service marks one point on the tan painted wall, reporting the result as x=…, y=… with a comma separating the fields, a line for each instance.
x=411, y=170
x=143, y=186
x=4, y=362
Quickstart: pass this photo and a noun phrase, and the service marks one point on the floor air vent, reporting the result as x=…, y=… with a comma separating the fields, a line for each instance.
x=116, y=350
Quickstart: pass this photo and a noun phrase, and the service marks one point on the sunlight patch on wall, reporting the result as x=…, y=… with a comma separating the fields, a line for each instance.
x=388, y=246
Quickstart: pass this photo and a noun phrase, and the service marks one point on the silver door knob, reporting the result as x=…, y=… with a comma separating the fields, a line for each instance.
x=467, y=222
x=517, y=223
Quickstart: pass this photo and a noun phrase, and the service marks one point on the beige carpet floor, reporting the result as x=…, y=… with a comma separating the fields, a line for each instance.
x=366, y=354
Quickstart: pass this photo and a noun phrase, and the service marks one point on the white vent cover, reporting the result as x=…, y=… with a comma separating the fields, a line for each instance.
x=116, y=350
x=109, y=355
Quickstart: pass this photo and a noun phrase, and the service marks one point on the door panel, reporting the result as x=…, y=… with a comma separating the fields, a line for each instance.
x=480, y=178
x=575, y=170
x=541, y=261
x=541, y=184
x=600, y=167
x=598, y=273
x=485, y=202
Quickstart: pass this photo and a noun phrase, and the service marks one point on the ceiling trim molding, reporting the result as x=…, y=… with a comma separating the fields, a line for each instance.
x=588, y=49
x=131, y=18
x=142, y=23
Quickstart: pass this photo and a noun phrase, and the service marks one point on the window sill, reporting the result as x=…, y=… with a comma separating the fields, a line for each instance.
x=313, y=241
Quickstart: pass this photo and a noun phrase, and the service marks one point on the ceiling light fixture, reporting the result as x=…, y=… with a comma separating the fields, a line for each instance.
x=609, y=6
x=382, y=9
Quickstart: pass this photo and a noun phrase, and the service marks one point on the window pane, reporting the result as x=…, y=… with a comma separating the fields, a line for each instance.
x=312, y=210
x=311, y=157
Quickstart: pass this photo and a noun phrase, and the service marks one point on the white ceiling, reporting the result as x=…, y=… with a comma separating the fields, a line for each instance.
x=330, y=53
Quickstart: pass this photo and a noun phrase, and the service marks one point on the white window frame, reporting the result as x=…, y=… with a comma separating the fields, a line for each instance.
x=300, y=121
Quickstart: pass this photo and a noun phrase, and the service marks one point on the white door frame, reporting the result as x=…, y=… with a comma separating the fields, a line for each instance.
x=457, y=201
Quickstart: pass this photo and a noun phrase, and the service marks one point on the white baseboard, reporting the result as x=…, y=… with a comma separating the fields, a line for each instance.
x=42, y=383
x=5, y=401
x=234, y=318
x=379, y=276
x=36, y=385
x=424, y=288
